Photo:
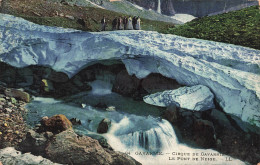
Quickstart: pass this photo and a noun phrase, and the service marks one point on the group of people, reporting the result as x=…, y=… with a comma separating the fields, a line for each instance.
x=123, y=23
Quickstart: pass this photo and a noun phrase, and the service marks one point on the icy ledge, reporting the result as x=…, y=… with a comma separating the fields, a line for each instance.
x=197, y=98
x=231, y=72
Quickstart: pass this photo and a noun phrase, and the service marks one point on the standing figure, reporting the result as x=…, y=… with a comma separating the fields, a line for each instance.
x=114, y=24
x=125, y=22
x=138, y=23
x=103, y=24
x=134, y=22
x=120, y=24
x=129, y=24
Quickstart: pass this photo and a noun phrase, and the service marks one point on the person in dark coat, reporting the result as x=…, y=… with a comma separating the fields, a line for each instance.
x=114, y=24
x=134, y=22
x=103, y=24
x=125, y=22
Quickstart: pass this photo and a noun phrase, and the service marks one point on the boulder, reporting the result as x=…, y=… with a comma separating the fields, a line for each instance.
x=34, y=143
x=197, y=115
x=11, y=156
x=69, y=17
x=102, y=140
x=204, y=133
x=13, y=100
x=17, y=94
x=75, y=121
x=125, y=84
x=111, y=108
x=69, y=148
x=121, y=158
x=47, y=85
x=246, y=127
x=245, y=146
x=186, y=113
x=77, y=81
x=101, y=105
x=186, y=126
x=67, y=88
x=198, y=98
x=24, y=77
x=58, y=77
x=220, y=118
x=171, y=114
x=104, y=126
x=7, y=74
x=83, y=105
x=55, y=124
x=157, y=83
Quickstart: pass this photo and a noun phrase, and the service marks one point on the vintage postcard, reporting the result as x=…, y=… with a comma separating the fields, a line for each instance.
x=130, y=82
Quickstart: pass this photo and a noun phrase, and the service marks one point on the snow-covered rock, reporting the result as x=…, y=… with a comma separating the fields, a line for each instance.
x=198, y=98
x=231, y=72
x=11, y=156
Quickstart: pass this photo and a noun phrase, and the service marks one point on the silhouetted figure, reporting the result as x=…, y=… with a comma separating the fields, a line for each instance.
x=103, y=24
x=125, y=22
x=134, y=22
x=114, y=24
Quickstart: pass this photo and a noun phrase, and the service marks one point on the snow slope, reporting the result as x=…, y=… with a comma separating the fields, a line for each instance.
x=231, y=72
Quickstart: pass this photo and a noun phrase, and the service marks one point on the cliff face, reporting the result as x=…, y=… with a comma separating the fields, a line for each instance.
x=167, y=7
x=197, y=8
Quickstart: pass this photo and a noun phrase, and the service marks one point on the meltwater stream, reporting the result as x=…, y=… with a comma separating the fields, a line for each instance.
x=147, y=138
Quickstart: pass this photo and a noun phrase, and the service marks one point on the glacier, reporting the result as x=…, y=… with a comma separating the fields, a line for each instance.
x=232, y=73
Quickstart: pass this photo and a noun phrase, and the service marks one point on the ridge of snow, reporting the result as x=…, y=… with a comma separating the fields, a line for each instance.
x=231, y=72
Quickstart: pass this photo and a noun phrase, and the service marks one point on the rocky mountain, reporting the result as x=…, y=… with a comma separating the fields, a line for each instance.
x=196, y=8
x=230, y=72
